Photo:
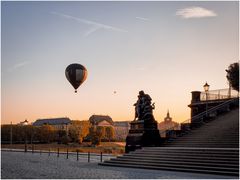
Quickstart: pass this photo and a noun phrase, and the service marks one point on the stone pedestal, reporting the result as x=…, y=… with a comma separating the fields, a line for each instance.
x=142, y=133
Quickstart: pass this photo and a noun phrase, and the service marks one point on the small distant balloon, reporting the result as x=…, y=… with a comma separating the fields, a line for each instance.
x=76, y=74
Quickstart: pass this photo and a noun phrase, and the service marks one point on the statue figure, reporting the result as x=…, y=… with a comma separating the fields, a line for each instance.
x=144, y=107
x=139, y=105
x=144, y=128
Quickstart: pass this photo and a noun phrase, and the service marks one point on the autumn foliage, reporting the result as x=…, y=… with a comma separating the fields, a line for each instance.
x=77, y=132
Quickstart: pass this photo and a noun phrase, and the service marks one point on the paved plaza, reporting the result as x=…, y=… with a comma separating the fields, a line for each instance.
x=20, y=165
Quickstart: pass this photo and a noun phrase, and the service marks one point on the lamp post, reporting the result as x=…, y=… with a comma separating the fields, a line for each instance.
x=229, y=91
x=25, y=129
x=206, y=89
x=11, y=136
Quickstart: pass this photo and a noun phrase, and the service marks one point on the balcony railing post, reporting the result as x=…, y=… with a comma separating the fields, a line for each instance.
x=229, y=91
x=88, y=156
x=77, y=155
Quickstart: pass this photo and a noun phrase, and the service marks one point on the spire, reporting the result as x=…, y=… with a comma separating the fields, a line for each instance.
x=168, y=118
x=168, y=115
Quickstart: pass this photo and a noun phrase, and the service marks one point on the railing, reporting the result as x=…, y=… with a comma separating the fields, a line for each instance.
x=199, y=119
x=79, y=156
x=219, y=94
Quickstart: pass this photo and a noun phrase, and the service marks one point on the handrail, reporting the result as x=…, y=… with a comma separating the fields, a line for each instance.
x=218, y=94
x=225, y=90
x=208, y=96
x=202, y=114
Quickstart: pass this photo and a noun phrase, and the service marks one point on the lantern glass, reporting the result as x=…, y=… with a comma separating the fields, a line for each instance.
x=206, y=87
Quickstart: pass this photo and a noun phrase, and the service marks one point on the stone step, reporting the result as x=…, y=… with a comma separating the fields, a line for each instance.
x=183, y=159
x=200, y=153
x=209, y=146
x=224, y=141
x=183, y=169
x=207, y=141
x=205, y=144
x=190, y=150
x=201, y=145
x=205, y=128
x=203, y=167
x=217, y=125
x=193, y=149
x=189, y=144
x=163, y=163
x=207, y=138
x=195, y=134
x=207, y=135
x=193, y=157
x=221, y=154
x=210, y=131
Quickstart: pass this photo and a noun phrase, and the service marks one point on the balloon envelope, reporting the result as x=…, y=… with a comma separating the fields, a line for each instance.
x=76, y=74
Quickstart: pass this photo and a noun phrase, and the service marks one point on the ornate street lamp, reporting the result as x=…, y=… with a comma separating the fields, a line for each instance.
x=206, y=89
x=11, y=136
x=25, y=129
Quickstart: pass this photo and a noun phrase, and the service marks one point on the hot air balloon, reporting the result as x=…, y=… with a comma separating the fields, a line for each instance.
x=76, y=74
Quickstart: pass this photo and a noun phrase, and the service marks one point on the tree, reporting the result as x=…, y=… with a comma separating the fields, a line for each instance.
x=94, y=137
x=233, y=75
x=5, y=133
x=20, y=133
x=109, y=133
x=78, y=130
x=100, y=132
x=47, y=133
x=62, y=137
x=74, y=133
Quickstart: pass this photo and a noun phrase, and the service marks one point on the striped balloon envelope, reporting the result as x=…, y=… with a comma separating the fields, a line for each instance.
x=76, y=74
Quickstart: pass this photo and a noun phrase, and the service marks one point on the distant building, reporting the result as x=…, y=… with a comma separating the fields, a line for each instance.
x=121, y=129
x=58, y=123
x=24, y=123
x=168, y=123
x=100, y=120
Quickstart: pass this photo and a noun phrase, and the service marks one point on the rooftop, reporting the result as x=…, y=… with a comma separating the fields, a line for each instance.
x=52, y=121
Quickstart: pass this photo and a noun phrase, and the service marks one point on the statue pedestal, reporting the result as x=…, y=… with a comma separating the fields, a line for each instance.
x=142, y=133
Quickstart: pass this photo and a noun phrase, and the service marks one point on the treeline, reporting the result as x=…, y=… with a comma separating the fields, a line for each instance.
x=100, y=133
x=77, y=132
x=19, y=134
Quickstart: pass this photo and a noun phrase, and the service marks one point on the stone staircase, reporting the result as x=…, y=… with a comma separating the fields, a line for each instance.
x=212, y=148
x=222, y=132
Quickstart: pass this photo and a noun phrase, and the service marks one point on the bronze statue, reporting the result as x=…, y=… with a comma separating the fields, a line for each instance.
x=144, y=128
x=144, y=107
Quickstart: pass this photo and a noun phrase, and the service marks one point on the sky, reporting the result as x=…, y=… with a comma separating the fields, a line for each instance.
x=167, y=49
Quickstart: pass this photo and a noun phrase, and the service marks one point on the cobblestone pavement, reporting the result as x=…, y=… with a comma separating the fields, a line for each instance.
x=20, y=165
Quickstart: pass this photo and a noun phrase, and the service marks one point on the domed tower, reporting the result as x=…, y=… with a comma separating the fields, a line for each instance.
x=168, y=118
